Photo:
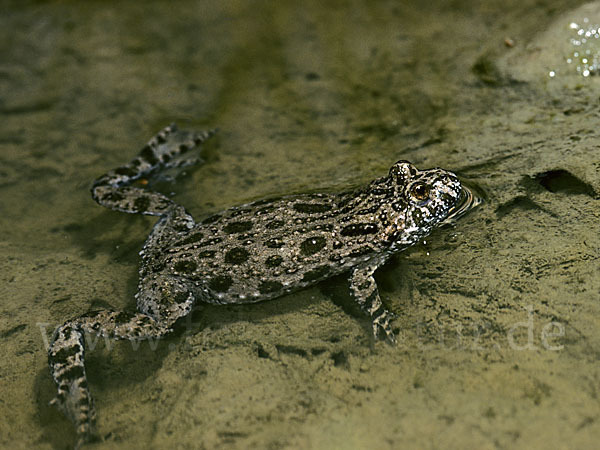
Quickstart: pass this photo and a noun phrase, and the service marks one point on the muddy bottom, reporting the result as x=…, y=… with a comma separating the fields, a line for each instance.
x=497, y=315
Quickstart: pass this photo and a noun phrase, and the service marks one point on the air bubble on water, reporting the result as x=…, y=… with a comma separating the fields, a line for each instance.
x=585, y=50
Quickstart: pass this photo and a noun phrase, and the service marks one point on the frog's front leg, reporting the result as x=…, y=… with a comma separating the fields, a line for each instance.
x=364, y=291
x=165, y=301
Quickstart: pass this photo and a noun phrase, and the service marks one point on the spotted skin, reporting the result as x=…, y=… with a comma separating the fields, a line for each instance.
x=246, y=254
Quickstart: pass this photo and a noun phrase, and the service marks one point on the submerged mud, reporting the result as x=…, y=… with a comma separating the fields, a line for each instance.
x=497, y=313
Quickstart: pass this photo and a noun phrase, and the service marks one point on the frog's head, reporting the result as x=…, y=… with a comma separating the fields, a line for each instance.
x=422, y=200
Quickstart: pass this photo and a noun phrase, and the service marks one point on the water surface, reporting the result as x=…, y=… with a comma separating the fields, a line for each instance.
x=497, y=315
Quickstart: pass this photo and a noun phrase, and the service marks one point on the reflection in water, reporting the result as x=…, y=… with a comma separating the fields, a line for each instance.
x=467, y=201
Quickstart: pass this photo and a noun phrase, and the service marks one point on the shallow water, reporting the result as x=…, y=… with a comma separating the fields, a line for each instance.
x=498, y=314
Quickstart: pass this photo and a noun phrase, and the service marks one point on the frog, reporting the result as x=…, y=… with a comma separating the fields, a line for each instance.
x=254, y=252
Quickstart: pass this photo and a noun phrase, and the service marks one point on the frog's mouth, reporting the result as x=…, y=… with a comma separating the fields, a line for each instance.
x=467, y=200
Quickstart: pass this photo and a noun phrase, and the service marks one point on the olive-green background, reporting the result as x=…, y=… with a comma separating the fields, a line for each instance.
x=497, y=317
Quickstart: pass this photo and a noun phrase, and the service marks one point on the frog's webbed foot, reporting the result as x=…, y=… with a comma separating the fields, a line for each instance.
x=66, y=360
x=364, y=291
x=66, y=364
x=163, y=151
x=381, y=325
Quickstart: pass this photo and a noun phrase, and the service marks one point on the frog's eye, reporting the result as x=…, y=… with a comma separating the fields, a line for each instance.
x=420, y=192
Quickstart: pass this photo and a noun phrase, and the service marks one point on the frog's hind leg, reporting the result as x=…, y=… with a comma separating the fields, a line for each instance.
x=67, y=350
x=113, y=189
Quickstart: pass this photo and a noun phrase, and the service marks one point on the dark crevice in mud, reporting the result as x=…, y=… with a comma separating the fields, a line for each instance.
x=484, y=165
x=291, y=350
x=13, y=330
x=426, y=143
x=27, y=108
x=521, y=202
x=487, y=72
x=340, y=359
x=261, y=352
x=563, y=182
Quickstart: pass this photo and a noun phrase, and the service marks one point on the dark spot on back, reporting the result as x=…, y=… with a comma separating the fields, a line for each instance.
x=275, y=224
x=311, y=208
x=122, y=317
x=359, y=229
x=235, y=212
x=220, y=283
x=361, y=251
x=264, y=210
x=156, y=265
x=141, y=204
x=206, y=254
x=237, y=255
x=112, y=197
x=148, y=155
x=369, y=210
x=237, y=227
x=187, y=266
x=274, y=243
x=211, y=241
x=273, y=261
x=268, y=287
x=126, y=171
x=211, y=219
x=323, y=227
x=316, y=273
x=312, y=245
x=195, y=237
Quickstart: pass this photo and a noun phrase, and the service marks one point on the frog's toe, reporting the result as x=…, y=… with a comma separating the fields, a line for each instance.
x=382, y=326
x=86, y=438
x=83, y=417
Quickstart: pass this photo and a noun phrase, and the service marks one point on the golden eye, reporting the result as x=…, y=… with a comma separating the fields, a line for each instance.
x=420, y=192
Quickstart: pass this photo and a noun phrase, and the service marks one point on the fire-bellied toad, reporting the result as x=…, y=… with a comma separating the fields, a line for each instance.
x=249, y=253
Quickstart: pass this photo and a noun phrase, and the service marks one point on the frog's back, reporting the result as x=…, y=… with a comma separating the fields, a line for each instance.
x=267, y=248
